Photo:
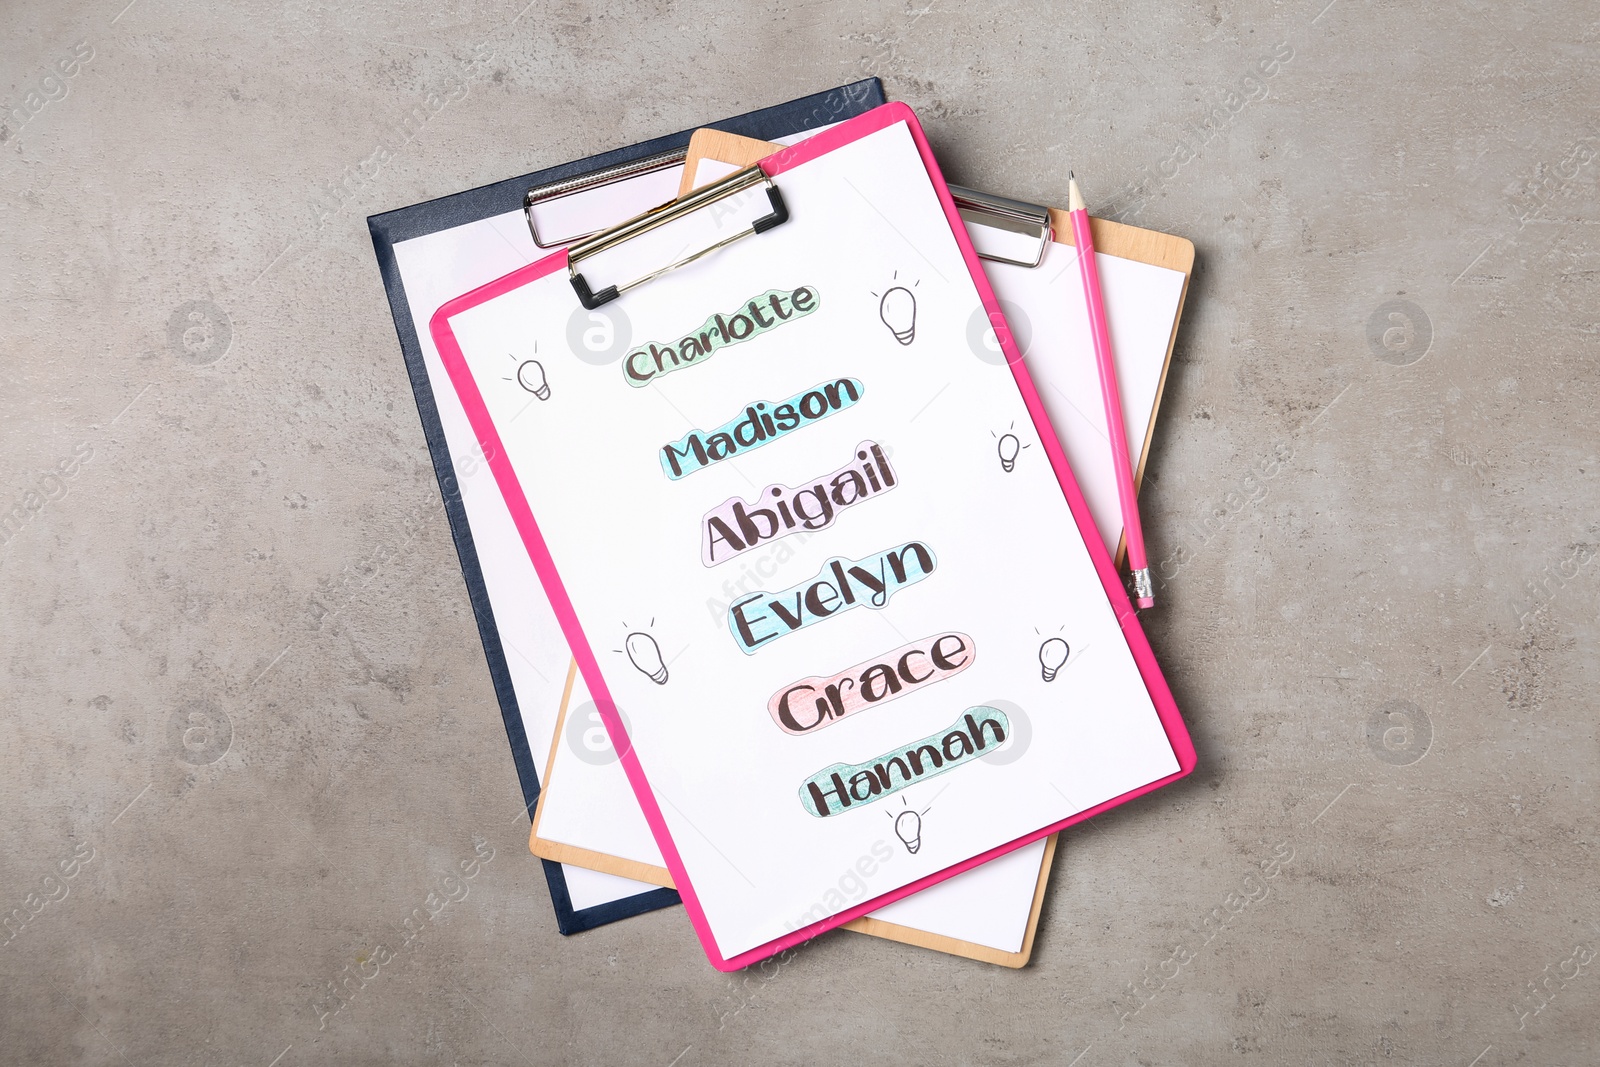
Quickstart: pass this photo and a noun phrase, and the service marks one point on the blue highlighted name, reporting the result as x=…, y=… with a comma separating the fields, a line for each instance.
x=760, y=423
x=842, y=584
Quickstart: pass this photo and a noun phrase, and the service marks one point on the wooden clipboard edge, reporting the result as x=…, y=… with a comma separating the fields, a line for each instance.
x=729, y=148
x=550, y=761
x=970, y=949
x=562, y=852
x=606, y=863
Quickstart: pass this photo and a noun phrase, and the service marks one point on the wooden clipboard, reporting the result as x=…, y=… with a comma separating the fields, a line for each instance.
x=1111, y=238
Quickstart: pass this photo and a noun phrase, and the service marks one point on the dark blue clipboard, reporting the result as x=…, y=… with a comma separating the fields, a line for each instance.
x=402, y=224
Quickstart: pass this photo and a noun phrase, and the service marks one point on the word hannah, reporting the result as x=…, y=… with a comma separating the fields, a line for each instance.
x=734, y=526
x=54, y=890
x=862, y=783
x=703, y=448
x=879, y=577
x=643, y=365
x=341, y=990
x=51, y=86
x=1582, y=956
x=1233, y=904
x=52, y=485
x=884, y=678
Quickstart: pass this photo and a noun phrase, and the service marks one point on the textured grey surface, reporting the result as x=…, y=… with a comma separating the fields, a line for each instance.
x=1377, y=535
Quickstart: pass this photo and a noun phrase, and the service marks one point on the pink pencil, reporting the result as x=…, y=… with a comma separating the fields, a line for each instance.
x=1117, y=428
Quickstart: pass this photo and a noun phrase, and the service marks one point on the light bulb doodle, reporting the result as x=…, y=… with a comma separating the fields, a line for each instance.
x=1009, y=447
x=646, y=656
x=898, y=310
x=532, y=378
x=1052, y=655
x=908, y=828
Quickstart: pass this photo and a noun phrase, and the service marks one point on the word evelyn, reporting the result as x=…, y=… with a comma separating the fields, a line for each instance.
x=884, y=678
x=871, y=581
x=760, y=314
x=756, y=426
x=733, y=526
x=862, y=783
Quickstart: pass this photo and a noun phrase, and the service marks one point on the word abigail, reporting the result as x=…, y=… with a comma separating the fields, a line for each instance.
x=931, y=756
x=734, y=526
x=756, y=426
x=642, y=365
x=888, y=676
x=878, y=577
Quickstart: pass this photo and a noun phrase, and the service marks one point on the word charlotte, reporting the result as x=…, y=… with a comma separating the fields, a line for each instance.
x=762, y=616
x=734, y=526
x=643, y=365
x=862, y=783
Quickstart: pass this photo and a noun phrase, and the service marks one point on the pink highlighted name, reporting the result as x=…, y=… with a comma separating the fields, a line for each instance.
x=812, y=703
x=734, y=526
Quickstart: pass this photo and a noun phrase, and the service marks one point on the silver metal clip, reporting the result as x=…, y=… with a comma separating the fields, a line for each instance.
x=734, y=183
x=582, y=183
x=1013, y=216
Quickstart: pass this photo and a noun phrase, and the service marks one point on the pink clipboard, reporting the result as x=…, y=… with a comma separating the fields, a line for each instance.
x=461, y=375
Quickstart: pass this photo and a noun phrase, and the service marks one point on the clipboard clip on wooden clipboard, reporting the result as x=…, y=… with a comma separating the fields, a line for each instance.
x=733, y=184
x=1012, y=216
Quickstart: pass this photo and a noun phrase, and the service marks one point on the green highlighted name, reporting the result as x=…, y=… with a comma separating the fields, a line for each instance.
x=759, y=314
x=833, y=789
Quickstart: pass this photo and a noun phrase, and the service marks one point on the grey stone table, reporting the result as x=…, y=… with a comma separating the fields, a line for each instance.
x=1373, y=507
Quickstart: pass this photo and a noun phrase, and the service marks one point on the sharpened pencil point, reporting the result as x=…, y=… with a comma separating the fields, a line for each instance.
x=1074, y=197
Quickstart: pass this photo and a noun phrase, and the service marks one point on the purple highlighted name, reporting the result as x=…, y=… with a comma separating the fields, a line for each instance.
x=734, y=526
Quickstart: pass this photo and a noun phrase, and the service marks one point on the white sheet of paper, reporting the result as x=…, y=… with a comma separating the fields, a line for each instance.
x=1009, y=564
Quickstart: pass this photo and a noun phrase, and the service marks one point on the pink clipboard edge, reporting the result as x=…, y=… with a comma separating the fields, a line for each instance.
x=505, y=476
